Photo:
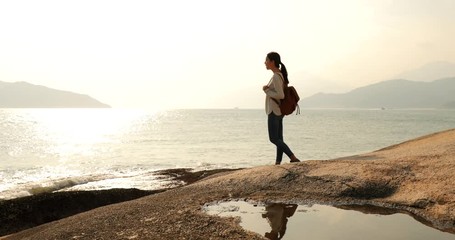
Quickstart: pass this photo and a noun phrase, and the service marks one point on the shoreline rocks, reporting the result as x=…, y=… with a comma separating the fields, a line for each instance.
x=27, y=212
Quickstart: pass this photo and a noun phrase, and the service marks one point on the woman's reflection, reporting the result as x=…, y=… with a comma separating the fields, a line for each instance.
x=277, y=215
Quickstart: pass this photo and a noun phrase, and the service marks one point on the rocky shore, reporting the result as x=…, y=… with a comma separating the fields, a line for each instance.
x=27, y=212
x=415, y=177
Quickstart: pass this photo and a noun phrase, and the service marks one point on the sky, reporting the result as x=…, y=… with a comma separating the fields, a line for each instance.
x=210, y=54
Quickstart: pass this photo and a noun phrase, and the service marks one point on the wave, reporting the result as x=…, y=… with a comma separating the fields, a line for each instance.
x=66, y=183
x=134, y=178
x=33, y=188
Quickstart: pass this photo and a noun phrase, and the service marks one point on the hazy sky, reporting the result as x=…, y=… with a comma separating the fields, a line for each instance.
x=210, y=54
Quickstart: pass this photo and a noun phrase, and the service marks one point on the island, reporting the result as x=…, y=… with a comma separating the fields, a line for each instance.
x=391, y=94
x=26, y=95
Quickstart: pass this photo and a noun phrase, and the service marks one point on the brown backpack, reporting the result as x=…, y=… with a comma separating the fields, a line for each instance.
x=290, y=101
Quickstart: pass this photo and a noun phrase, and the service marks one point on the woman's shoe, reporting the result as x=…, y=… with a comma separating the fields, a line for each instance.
x=295, y=160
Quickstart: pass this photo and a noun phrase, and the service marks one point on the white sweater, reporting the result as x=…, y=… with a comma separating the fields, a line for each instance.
x=275, y=91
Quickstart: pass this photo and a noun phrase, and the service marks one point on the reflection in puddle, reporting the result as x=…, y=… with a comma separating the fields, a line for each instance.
x=277, y=215
x=291, y=221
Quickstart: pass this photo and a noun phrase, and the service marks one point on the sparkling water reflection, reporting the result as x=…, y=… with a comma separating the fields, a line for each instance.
x=111, y=148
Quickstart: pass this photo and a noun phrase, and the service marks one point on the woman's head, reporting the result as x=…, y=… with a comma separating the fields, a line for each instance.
x=275, y=59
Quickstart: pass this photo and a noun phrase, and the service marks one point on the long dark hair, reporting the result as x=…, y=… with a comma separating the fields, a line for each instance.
x=274, y=56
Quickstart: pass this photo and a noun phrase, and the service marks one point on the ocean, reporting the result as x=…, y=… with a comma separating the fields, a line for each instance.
x=45, y=150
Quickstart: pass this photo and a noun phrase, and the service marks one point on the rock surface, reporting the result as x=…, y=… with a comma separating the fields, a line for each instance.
x=414, y=176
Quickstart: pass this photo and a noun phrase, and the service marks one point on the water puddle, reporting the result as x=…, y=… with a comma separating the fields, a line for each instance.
x=291, y=221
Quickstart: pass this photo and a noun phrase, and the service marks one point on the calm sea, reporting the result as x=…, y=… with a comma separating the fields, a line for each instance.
x=86, y=149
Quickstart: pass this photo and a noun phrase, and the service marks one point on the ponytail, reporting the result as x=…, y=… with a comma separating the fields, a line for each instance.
x=285, y=73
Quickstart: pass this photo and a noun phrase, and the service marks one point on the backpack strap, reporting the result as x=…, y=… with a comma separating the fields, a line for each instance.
x=276, y=101
x=284, y=85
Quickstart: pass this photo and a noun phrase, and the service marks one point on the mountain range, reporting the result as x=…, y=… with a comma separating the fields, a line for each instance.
x=398, y=93
x=26, y=95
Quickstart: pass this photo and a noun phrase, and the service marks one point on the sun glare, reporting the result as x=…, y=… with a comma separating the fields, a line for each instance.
x=77, y=131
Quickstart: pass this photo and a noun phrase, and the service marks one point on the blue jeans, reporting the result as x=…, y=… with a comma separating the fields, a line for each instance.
x=275, y=125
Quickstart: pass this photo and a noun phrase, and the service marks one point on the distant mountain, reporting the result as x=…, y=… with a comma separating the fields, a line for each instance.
x=390, y=94
x=26, y=95
x=429, y=72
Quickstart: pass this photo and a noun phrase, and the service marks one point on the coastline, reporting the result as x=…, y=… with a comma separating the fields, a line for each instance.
x=26, y=212
x=415, y=176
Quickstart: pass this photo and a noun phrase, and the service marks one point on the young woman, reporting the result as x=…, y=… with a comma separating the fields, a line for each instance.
x=274, y=92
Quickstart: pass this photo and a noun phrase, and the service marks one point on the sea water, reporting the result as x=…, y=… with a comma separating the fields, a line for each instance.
x=43, y=150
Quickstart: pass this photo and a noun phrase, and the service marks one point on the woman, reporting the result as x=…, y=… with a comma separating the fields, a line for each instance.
x=274, y=92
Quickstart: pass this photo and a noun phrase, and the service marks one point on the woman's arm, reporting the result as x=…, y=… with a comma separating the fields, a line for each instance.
x=275, y=88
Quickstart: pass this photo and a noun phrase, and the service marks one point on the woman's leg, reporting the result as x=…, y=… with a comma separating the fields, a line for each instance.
x=275, y=127
x=279, y=150
x=279, y=155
